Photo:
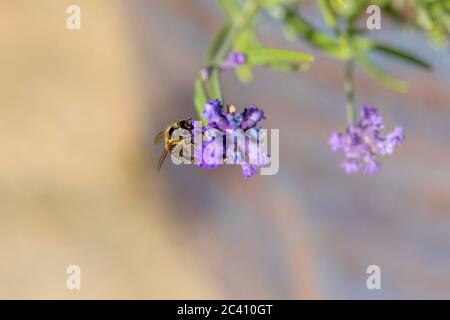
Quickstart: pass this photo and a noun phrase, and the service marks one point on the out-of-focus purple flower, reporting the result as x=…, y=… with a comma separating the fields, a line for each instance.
x=371, y=118
x=363, y=142
x=247, y=152
x=336, y=141
x=393, y=140
x=234, y=60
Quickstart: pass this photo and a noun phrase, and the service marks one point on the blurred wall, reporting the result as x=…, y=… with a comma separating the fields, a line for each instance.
x=74, y=186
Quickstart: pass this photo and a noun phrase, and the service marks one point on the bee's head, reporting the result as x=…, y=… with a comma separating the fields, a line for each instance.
x=186, y=124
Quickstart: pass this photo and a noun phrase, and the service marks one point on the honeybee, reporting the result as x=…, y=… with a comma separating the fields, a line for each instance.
x=169, y=142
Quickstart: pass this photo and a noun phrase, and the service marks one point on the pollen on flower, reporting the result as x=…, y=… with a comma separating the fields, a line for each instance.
x=363, y=143
x=231, y=109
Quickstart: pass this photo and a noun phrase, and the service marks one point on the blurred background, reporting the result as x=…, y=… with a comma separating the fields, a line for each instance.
x=78, y=185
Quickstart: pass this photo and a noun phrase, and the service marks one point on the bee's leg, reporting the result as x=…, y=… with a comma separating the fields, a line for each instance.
x=161, y=159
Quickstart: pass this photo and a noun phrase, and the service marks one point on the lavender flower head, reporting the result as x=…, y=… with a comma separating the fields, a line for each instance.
x=234, y=60
x=222, y=120
x=363, y=143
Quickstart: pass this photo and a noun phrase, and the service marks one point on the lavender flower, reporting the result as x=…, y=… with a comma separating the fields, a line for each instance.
x=230, y=118
x=363, y=143
x=234, y=59
x=220, y=122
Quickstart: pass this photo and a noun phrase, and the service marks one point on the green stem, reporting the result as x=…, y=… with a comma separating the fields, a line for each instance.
x=213, y=83
x=349, y=91
x=248, y=11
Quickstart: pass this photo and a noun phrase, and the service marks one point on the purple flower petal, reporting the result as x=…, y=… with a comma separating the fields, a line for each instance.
x=234, y=120
x=371, y=166
x=336, y=141
x=249, y=170
x=351, y=165
x=214, y=114
x=251, y=116
x=371, y=118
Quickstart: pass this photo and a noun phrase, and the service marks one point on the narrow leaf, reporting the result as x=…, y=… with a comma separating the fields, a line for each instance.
x=386, y=79
x=231, y=7
x=402, y=55
x=327, y=13
x=244, y=74
x=301, y=28
x=245, y=42
x=268, y=56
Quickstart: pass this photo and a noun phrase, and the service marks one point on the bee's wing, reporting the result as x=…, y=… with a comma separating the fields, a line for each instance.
x=160, y=137
x=162, y=158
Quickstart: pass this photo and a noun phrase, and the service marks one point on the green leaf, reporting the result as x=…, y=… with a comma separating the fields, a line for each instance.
x=268, y=56
x=217, y=42
x=289, y=67
x=386, y=79
x=356, y=9
x=402, y=55
x=337, y=48
x=424, y=19
x=395, y=13
x=231, y=7
x=340, y=5
x=200, y=98
x=244, y=74
x=364, y=45
x=327, y=13
x=245, y=42
x=274, y=3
